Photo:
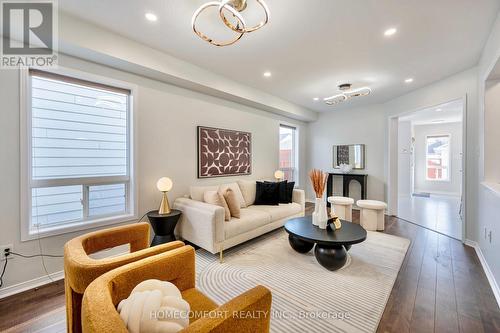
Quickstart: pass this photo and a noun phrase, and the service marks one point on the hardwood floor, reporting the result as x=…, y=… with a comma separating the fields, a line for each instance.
x=37, y=310
x=441, y=287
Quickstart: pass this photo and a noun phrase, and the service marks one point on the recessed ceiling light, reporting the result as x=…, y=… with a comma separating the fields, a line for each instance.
x=390, y=32
x=316, y=98
x=409, y=80
x=151, y=17
x=267, y=74
x=439, y=110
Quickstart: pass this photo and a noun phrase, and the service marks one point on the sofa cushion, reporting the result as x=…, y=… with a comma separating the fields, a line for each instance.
x=248, y=188
x=197, y=192
x=289, y=192
x=232, y=203
x=250, y=219
x=267, y=193
x=285, y=190
x=279, y=212
x=215, y=198
x=236, y=190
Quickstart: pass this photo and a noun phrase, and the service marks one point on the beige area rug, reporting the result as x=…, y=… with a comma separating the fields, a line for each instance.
x=306, y=296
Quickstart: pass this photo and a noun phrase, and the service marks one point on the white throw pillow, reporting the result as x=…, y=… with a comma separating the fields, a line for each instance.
x=197, y=192
x=154, y=306
x=248, y=189
x=237, y=192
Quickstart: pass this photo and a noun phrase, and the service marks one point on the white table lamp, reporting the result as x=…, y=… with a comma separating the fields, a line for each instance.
x=164, y=185
x=279, y=175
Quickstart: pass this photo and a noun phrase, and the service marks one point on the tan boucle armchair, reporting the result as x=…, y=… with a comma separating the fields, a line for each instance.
x=99, y=312
x=80, y=269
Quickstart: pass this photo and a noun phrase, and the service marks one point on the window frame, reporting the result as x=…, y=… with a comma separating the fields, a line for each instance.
x=295, y=145
x=27, y=182
x=448, y=179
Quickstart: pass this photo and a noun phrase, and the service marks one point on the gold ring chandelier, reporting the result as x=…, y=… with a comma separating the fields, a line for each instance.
x=234, y=7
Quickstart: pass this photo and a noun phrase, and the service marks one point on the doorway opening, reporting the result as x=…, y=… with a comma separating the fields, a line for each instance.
x=430, y=174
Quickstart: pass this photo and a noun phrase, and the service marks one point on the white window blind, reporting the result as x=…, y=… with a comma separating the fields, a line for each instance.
x=80, y=161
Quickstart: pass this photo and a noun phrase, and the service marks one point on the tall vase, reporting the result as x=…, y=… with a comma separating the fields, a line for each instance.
x=322, y=216
x=316, y=211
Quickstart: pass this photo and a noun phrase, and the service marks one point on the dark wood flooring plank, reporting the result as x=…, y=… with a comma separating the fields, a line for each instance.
x=425, y=300
x=397, y=315
x=446, y=304
x=17, y=309
x=469, y=316
x=485, y=299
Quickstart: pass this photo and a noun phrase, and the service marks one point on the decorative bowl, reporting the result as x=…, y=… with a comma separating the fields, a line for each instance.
x=345, y=168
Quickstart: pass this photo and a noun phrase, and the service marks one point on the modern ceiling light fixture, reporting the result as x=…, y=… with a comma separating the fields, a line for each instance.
x=230, y=8
x=390, y=32
x=151, y=17
x=347, y=93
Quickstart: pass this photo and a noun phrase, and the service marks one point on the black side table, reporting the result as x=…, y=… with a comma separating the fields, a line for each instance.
x=163, y=226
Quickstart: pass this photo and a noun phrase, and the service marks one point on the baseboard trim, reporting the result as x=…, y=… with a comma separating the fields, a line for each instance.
x=486, y=267
x=31, y=284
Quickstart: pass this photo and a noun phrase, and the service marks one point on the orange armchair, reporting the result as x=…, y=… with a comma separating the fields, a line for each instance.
x=80, y=269
x=99, y=312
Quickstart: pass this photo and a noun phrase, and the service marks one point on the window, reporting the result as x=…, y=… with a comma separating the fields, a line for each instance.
x=438, y=158
x=77, y=164
x=289, y=153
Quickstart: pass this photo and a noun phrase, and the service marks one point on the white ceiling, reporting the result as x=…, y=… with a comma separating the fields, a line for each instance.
x=450, y=112
x=312, y=46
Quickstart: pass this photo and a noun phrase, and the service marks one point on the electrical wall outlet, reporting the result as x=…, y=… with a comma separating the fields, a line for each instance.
x=2, y=251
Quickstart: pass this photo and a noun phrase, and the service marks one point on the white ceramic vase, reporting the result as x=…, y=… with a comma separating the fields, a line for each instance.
x=315, y=213
x=320, y=214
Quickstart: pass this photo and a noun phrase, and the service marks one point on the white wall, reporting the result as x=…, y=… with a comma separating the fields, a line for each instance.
x=167, y=117
x=405, y=157
x=453, y=186
x=369, y=125
x=491, y=132
x=362, y=125
x=488, y=201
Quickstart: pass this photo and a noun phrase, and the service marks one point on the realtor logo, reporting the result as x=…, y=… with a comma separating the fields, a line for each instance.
x=28, y=34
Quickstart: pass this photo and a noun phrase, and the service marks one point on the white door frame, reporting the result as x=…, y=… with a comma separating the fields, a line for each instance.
x=392, y=179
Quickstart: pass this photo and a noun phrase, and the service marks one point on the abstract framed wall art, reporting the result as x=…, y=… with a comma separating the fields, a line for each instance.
x=223, y=152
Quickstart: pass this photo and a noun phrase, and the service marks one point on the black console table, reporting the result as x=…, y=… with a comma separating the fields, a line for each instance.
x=346, y=180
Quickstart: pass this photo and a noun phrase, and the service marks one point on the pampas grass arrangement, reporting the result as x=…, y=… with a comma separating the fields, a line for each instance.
x=318, y=180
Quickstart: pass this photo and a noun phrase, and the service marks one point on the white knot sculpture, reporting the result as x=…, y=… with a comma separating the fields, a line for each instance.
x=154, y=306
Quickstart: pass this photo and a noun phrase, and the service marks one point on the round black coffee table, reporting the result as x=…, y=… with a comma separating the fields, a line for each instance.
x=331, y=246
x=163, y=226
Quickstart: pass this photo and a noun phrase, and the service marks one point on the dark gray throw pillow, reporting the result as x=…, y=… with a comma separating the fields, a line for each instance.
x=267, y=193
x=289, y=192
x=285, y=190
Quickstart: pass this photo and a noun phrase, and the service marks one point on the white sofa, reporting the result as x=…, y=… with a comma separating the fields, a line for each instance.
x=203, y=224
